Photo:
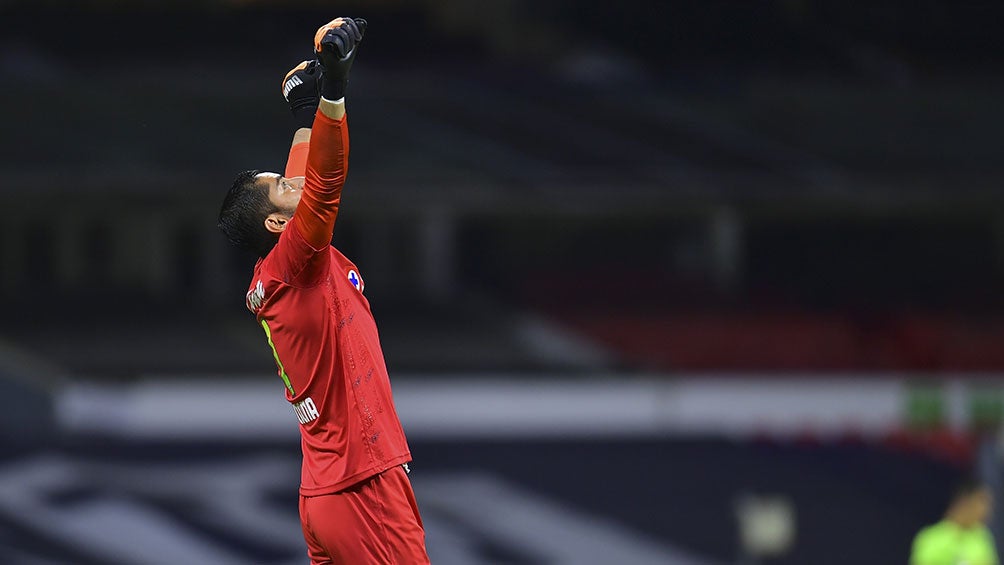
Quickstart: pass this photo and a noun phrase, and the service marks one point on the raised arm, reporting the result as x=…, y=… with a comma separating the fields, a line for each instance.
x=296, y=164
x=301, y=87
x=327, y=165
x=335, y=44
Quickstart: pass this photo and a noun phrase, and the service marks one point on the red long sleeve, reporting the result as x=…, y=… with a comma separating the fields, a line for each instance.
x=296, y=164
x=327, y=165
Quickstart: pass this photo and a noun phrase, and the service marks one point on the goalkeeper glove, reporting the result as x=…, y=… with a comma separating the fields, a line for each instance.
x=335, y=44
x=301, y=89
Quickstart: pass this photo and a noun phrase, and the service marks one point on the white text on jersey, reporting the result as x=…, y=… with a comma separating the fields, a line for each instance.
x=255, y=297
x=306, y=411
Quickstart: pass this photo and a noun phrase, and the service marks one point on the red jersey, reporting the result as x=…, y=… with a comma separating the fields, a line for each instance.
x=309, y=300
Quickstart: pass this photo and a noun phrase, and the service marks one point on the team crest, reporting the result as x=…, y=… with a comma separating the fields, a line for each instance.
x=356, y=280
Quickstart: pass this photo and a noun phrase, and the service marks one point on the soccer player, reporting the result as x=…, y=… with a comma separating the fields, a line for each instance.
x=962, y=537
x=356, y=502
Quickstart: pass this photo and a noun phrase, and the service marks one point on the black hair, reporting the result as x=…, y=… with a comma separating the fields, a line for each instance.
x=966, y=486
x=242, y=216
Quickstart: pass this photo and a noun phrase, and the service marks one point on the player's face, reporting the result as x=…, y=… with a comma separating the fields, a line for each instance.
x=283, y=192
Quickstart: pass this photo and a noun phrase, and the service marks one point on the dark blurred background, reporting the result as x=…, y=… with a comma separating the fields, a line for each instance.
x=758, y=247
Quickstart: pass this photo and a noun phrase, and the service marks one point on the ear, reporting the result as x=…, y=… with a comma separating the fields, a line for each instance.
x=276, y=222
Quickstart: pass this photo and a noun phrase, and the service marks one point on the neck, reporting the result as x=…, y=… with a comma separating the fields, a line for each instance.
x=959, y=518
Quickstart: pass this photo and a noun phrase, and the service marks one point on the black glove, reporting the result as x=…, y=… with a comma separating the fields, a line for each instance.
x=335, y=45
x=302, y=90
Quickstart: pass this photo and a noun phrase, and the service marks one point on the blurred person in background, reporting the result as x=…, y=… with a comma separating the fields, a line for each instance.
x=356, y=501
x=962, y=537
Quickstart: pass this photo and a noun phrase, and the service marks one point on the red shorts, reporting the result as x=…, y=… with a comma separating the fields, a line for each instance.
x=372, y=522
